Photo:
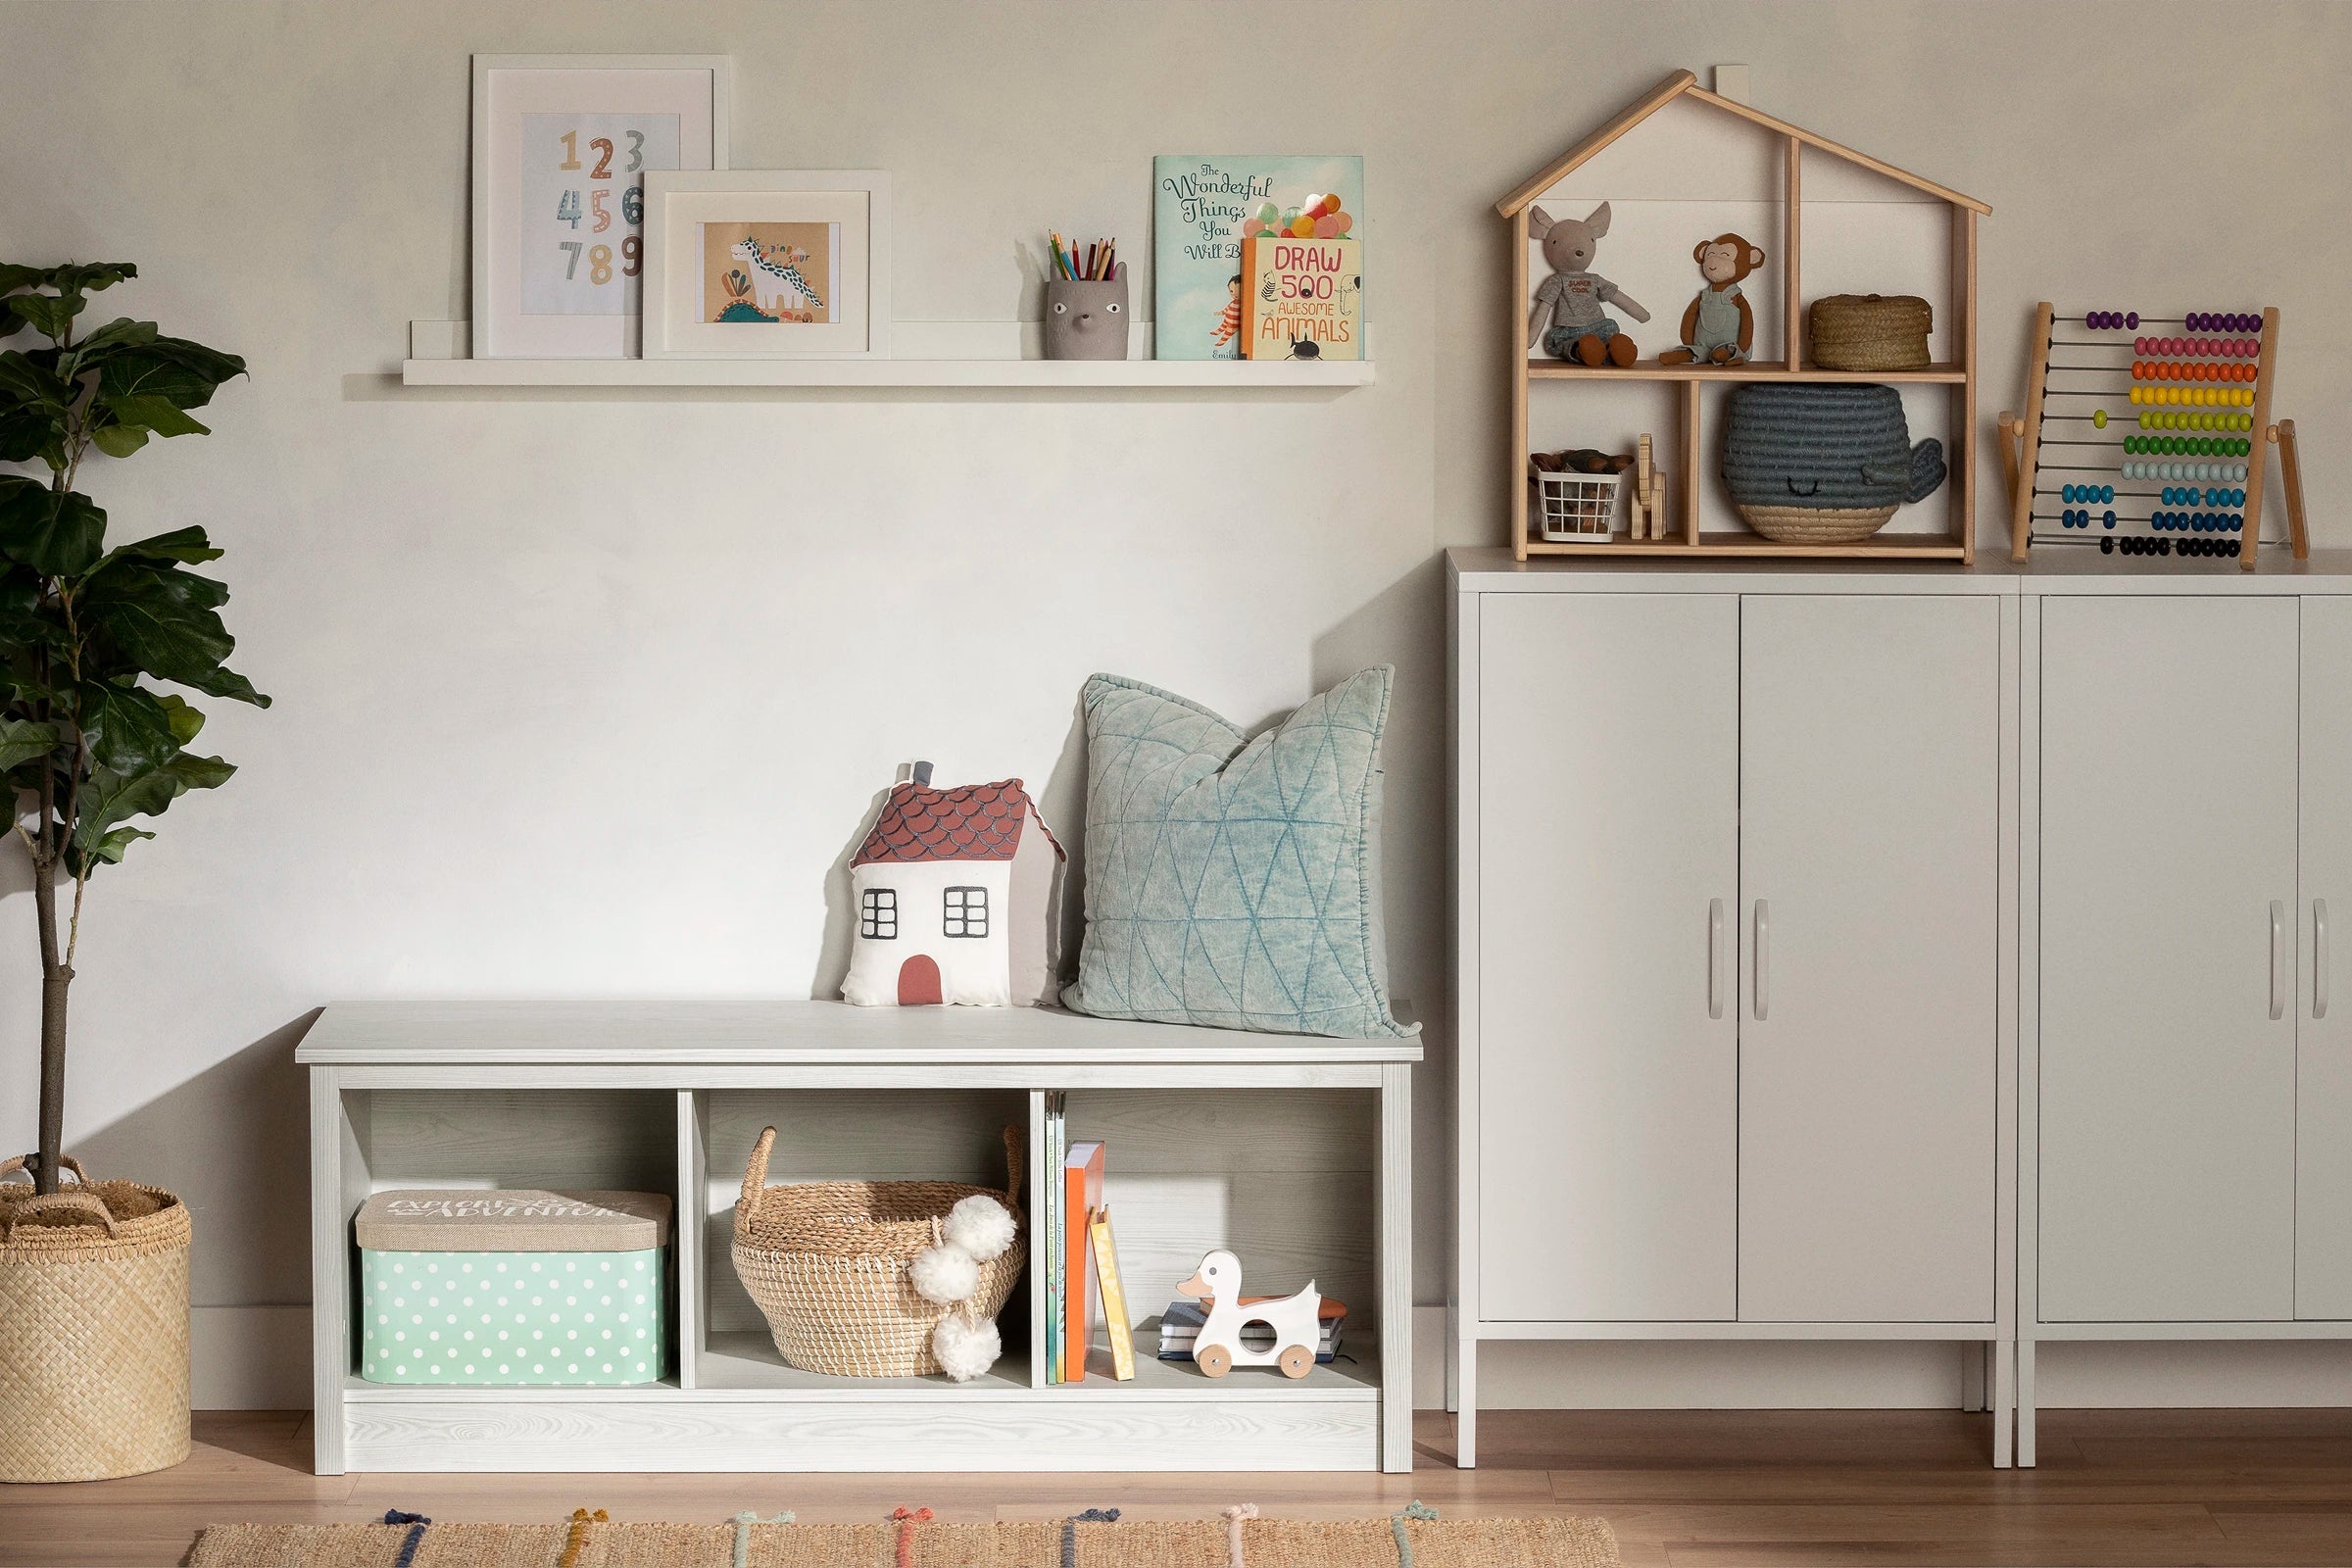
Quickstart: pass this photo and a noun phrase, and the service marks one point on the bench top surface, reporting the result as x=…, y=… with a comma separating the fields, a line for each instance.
x=763, y=1033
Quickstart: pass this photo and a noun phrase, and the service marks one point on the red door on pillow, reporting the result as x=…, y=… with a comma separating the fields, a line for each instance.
x=918, y=982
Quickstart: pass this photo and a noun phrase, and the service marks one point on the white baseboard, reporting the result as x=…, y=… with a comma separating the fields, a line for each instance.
x=1785, y=1375
x=259, y=1358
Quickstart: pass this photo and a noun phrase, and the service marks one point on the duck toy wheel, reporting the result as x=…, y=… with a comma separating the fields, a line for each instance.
x=1295, y=1321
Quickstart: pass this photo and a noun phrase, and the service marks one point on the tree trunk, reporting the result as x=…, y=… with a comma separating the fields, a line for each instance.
x=55, y=978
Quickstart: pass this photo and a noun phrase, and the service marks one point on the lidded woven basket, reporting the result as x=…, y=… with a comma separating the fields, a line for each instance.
x=1870, y=331
x=826, y=1261
x=93, y=1329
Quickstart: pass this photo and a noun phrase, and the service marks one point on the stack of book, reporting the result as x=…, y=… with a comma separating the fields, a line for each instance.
x=1082, y=1262
x=1180, y=1326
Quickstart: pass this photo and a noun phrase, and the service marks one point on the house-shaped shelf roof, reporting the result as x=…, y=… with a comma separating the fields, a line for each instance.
x=1681, y=84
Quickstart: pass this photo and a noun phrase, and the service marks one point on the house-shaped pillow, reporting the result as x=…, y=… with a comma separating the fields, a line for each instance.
x=956, y=893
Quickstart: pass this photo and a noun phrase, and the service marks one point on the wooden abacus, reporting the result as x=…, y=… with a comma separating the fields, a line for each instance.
x=2191, y=414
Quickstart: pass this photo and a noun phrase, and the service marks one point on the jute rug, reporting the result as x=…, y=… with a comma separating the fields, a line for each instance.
x=910, y=1539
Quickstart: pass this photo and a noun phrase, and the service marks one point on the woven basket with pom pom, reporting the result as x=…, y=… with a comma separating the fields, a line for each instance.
x=827, y=1263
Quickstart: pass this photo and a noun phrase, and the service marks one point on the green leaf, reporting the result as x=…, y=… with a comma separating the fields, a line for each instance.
x=22, y=740
x=118, y=440
x=159, y=414
x=107, y=851
x=25, y=434
x=186, y=719
x=50, y=315
x=85, y=276
x=188, y=546
x=109, y=798
x=164, y=619
x=55, y=533
x=28, y=382
x=175, y=369
x=89, y=277
x=128, y=729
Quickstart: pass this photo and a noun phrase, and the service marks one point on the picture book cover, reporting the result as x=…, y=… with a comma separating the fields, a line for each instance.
x=1203, y=206
x=1301, y=299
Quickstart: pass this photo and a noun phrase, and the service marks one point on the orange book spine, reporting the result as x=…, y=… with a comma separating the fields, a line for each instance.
x=1076, y=1315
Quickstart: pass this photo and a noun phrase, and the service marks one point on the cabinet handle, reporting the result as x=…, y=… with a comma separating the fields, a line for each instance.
x=2277, y=960
x=1714, y=957
x=1763, y=957
x=2319, y=957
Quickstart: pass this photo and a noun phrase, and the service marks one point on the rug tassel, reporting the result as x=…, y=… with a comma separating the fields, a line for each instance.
x=743, y=1532
x=1416, y=1509
x=581, y=1519
x=407, y=1545
x=907, y=1519
x=1070, y=1531
x=1233, y=1531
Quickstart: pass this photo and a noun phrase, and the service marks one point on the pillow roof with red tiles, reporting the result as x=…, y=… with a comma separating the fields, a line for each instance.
x=976, y=823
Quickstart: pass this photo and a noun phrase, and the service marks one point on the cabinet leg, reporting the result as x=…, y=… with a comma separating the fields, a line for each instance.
x=2025, y=1402
x=2003, y=1400
x=1465, y=1420
x=1453, y=1356
x=1972, y=1375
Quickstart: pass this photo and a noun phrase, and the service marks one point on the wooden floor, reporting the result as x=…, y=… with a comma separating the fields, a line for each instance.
x=1718, y=1488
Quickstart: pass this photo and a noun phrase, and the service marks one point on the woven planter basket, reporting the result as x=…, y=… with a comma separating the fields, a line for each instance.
x=94, y=1330
x=1870, y=331
x=827, y=1263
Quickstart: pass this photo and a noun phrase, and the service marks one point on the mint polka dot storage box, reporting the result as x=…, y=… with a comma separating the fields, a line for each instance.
x=523, y=1288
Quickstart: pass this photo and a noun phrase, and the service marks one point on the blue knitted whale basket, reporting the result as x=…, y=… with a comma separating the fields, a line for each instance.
x=1823, y=465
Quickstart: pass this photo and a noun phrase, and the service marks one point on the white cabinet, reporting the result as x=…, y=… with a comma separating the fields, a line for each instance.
x=1732, y=965
x=2187, y=1070
x=1868, y=876
x=2323, y=1044
x=2168, y=857
x=1609, y=807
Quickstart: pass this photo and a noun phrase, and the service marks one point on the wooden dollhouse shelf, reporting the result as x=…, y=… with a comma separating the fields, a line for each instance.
x=1680, y=453
x=1759, y=371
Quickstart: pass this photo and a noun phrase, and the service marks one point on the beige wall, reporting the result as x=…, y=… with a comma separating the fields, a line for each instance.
x=585, y=694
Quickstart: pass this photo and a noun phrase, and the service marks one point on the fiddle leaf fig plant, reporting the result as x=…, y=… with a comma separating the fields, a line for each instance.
x=94, y=740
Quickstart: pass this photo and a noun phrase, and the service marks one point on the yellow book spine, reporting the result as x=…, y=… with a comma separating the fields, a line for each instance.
x=1115, y=1298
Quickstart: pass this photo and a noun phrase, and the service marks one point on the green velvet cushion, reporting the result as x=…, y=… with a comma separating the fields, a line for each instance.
x=1230, y=881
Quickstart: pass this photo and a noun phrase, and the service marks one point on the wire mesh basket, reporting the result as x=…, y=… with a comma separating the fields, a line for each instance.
x=1577, y=508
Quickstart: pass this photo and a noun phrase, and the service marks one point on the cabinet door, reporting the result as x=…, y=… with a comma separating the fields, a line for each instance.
x=1608, y=822
x=2168, y=1049
x=2324, y=1079
x=1870, y=871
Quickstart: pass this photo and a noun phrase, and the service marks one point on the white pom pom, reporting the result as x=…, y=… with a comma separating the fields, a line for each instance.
x=944, y=1274
x=981, y=1226
x=965, y=1350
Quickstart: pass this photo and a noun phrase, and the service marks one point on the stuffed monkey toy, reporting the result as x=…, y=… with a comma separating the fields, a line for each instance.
x=1719, y=327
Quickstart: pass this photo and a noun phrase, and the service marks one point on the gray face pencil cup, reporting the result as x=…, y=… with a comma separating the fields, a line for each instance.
x=1086, y=319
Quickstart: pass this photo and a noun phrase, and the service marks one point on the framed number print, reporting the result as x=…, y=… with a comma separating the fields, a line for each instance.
x=563, y=146
x=755, y=264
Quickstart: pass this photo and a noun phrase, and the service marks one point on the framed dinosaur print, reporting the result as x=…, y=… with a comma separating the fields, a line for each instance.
x=563, y=146
x=767, y=264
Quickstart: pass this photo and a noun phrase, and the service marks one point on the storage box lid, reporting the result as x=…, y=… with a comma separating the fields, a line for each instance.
x=471, y=1220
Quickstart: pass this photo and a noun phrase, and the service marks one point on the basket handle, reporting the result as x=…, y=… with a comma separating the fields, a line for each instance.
x=83, y=1202
x=1014, y=1140
x=10, y=1167
x=755, y=1173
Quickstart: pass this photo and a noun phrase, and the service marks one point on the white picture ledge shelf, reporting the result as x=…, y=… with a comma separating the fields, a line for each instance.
x=938, y=354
